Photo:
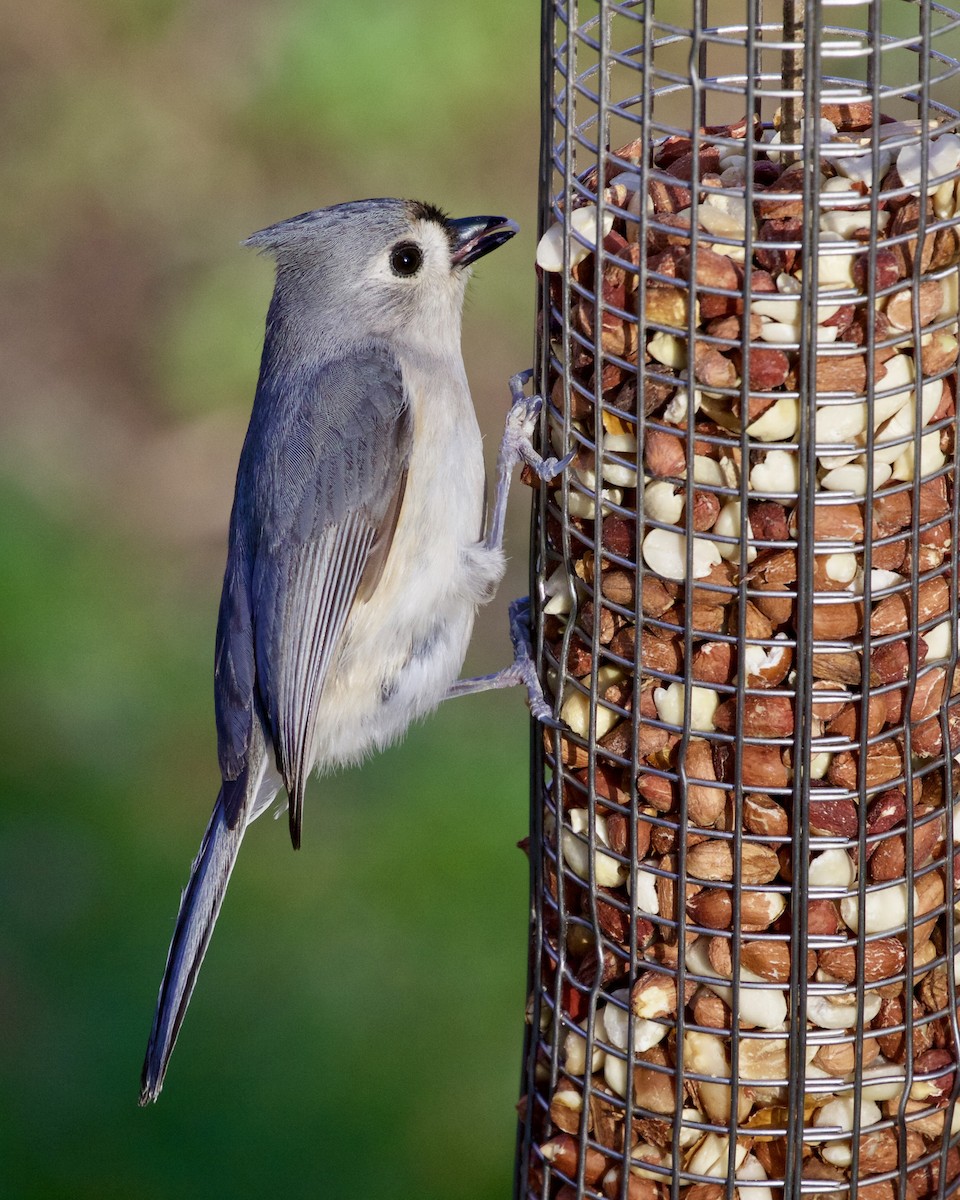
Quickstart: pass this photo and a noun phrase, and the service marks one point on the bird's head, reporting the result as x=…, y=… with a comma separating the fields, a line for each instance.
x=378, y=269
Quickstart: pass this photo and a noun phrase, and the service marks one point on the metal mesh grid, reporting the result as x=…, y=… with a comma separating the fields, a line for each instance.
x=745, y=606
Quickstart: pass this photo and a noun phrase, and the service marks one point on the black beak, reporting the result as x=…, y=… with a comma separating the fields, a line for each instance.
x=475, y=236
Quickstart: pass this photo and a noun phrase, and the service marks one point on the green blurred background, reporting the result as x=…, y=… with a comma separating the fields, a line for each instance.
x=358, y=1024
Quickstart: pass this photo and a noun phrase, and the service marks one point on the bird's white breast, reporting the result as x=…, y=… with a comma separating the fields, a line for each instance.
x=416, y=625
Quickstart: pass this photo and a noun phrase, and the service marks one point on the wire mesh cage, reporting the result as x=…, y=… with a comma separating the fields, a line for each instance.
x=744, y=975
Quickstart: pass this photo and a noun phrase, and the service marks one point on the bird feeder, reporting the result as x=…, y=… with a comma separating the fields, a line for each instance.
x=743, y=974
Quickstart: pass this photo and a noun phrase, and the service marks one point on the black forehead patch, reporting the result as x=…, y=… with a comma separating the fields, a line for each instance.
x=428, y=212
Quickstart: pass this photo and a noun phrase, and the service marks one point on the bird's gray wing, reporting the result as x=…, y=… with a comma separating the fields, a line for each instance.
x=325, y=486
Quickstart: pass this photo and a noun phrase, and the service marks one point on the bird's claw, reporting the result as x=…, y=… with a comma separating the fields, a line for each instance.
x=521, y=671
x=540, y=710
x=522, y=417
x=516, y=446
x=520, y=427
x=519, y=381
x=550, y=468
x=523, y=667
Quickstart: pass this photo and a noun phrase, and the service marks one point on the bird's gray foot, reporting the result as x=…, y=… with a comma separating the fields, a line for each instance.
x=517, y=441
x=516, y=446
x=521, y=671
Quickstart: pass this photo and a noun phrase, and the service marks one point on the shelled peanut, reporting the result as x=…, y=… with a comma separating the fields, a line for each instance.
x=683, y=598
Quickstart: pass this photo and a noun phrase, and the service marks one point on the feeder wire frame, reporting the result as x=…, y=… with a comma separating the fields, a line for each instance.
x=561, y=539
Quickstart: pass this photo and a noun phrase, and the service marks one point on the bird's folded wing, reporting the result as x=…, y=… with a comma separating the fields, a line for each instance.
x=314, y=596
x=326, y=499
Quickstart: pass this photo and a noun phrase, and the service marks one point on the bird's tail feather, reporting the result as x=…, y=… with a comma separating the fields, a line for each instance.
x=199, y=909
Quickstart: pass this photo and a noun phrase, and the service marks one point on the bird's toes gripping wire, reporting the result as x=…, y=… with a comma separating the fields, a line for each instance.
x=521, y=671
x=516, y=446
x=520, y=428
x=523, y=665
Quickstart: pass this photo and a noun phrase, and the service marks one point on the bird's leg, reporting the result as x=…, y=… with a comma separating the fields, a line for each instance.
x=516, y=446
x=521, y=670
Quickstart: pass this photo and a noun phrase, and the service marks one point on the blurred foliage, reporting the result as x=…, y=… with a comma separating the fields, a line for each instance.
x=357, y=1027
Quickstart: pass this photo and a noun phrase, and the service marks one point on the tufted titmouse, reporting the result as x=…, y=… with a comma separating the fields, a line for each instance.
x=357, y=556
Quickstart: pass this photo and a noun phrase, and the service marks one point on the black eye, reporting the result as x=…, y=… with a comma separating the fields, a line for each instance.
x=406, y=258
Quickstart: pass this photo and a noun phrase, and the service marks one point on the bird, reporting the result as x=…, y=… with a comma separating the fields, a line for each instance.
x=359, y=544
